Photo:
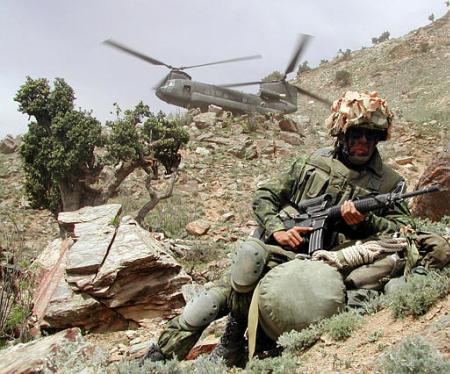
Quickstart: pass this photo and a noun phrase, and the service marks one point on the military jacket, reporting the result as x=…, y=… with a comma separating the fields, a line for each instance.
x=322, y=173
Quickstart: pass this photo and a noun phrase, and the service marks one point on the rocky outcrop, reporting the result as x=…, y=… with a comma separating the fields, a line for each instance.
x=106, y=277
x=9, y=144
x=50, y=354
x=434, y=205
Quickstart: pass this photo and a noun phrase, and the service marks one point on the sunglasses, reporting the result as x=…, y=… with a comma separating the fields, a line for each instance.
x=357, y=133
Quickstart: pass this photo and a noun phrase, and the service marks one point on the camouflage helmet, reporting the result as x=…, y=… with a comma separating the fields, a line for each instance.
x=366, y=110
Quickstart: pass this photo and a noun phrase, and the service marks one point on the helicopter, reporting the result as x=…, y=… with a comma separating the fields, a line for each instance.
x=178, y=88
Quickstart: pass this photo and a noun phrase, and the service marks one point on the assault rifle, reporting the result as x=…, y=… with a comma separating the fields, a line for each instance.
x=320, y=215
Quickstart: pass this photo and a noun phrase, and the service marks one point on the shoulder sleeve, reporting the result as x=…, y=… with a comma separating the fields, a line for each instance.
x=271, y=196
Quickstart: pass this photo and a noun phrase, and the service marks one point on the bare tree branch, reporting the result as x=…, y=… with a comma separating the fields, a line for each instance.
x=155, y=198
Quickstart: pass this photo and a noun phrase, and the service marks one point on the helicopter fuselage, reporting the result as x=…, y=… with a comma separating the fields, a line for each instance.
x=191, y=94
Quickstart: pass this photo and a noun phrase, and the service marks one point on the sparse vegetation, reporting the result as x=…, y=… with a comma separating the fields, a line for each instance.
x=199, y=366
x=16, y=283
x=414, y=355
x=171, y=216
x=342, y=325
x=343, y=78
x=383, y=37
x=344, y=55
x=294, y=341
x=323, y=61
x=303, y=68
x=417, y=295
x=431, y=17
x=274, y=365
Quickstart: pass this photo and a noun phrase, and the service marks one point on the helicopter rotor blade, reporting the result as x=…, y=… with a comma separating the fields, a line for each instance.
x=302, y=43
x=124, y=48
x=313, y=96
x=253, y=57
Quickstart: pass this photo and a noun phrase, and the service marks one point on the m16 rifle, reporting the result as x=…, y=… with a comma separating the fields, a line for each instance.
x=321, y=216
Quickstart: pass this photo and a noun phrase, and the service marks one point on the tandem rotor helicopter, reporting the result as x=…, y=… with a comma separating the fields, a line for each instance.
x=178, y=88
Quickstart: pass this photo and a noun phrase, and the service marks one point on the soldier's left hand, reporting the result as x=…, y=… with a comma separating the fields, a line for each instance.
x=350, y=214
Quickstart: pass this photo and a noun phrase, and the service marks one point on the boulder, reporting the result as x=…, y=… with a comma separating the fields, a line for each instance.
x=49, y=354
x=291, y=138
x=106, y=277
x=434, y=205
x=205, y=120
x=8, y=145
x=198, y=228
x=215, y=109
x=288, y=125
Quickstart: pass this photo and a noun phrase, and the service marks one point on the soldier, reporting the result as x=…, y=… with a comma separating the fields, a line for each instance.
x=352, y=168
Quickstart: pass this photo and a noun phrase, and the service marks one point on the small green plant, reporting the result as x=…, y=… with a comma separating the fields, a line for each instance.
x=294, y=341
x=373, y=305
x=413, y=355
x=273, y=365
x=343, y=78
x=342, y=325
x=418, y=295
x=374, y=336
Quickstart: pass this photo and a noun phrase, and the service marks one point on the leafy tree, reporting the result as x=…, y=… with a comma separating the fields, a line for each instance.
x=431, y=17
x=274, y=76
x=383, y=37
x=303, y=67
x=61, y=150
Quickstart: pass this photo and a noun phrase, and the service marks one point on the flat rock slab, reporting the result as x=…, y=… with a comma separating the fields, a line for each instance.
x=40, y=355
x=89, y=220
x=68, y=308
x=87, y=255
x=109, y=278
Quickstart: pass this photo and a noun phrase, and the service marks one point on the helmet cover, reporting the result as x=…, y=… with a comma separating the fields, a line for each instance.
x=366, y=110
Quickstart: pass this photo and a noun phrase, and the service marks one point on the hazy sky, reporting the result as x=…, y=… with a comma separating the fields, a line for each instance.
x=62, y=38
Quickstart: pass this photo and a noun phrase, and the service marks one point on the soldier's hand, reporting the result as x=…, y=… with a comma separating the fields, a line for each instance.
x=292, y=237
x=350, y=214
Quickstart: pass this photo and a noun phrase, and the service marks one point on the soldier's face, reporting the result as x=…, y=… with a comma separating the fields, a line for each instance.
x=361, y=142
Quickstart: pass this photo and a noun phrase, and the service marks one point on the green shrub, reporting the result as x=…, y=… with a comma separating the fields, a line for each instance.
x=202, y=365
x=273, y=365
x=413, y=355
x=294, y=341
x=439, y=227
x=374, y=336
x=343, y=78
x=383, y=37
x=341, y=326
x=418, y=294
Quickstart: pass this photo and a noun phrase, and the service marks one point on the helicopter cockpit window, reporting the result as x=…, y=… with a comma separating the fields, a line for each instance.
x=169, y=83
x=187, y=88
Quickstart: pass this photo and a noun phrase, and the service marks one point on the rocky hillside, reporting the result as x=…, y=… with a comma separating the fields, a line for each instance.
x=226, y=159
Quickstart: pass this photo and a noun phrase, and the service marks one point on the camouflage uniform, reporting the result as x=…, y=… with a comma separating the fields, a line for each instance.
x=307, y=178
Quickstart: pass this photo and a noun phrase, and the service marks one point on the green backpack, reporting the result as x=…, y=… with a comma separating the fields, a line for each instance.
x=293, y=295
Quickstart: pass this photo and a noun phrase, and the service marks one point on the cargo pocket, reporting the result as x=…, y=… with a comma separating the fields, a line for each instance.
x=317, y=185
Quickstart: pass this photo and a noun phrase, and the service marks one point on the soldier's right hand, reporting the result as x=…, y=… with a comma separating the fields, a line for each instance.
x=292, y=237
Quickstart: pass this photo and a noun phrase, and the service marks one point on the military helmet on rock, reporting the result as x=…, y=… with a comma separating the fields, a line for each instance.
x=354, y=109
